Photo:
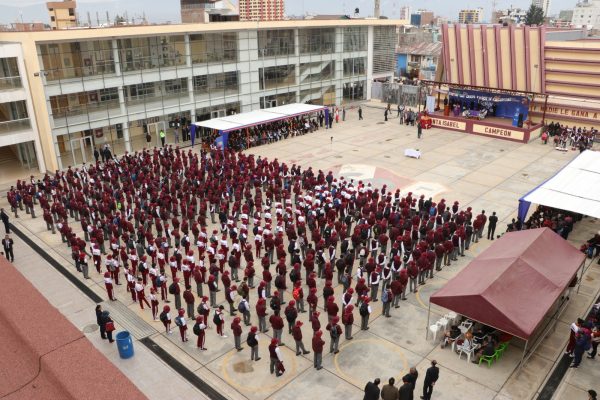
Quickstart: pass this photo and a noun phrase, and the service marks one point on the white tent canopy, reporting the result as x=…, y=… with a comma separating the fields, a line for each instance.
x=258, y=117
x=574, y=188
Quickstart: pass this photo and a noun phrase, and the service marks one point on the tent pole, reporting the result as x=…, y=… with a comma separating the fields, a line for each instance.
x=582, y=268
x=523, y=358
x=427, y=326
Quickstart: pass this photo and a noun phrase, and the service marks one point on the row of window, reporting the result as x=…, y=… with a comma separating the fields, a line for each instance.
x=212, y=85
x=88, y=58
x=80, y=103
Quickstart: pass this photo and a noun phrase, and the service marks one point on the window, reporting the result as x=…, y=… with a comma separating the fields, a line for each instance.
x=140, y=90
x=273, y=77
x=354, y=91
x=222, y=84
x=214, y=47
x=316, y=41
x=176, y=85
x=355, y=66
x=317, y=71
x=355, y=38
x=108, y=94
x=274, y=43
x=277, y=100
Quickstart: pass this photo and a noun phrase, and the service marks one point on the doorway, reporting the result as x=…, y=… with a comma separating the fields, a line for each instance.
x=82, y=150
x=154, y=129
x=218, y=113
x=26, y=155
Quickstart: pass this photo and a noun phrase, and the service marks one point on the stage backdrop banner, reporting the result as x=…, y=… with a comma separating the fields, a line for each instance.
x=506, y=106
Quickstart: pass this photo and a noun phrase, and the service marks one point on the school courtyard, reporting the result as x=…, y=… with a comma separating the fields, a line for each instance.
x=479, y=172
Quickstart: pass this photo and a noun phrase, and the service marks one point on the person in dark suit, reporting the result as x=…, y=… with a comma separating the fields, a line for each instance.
x=431, y=377
x=8, y=245
x=492, y=221
x=5, y=220
x=411, y=378
x=406, y=390
x=372, y=390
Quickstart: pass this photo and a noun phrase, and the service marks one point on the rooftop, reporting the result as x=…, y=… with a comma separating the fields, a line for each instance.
x=424, y=49
x=166, y=29
x=42, y=349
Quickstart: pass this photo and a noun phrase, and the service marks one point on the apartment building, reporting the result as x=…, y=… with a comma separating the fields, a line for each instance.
x=261, y=10
x=86, y=88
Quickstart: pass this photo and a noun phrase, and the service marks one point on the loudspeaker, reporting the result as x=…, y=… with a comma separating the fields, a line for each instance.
x=520, y=122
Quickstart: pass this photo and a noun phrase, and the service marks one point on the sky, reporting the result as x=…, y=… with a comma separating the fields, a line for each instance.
x=162, y=11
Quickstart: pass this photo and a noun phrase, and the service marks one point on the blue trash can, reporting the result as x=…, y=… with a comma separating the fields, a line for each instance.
x=125, y=344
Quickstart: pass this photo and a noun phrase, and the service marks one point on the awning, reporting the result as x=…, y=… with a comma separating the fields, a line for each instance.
x=574, y=188
x=514, y=283
x=259, y=117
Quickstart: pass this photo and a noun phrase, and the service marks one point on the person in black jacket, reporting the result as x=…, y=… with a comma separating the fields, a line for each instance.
x=406, y=390
x=492, y=221
x=372, y=390
x=411, y=378
x=431, y=377
x=99, y=321
x=105, y=319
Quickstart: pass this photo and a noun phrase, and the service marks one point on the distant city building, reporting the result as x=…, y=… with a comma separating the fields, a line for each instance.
x=472, y=16
x=261, y=10
x=421, y=18
x=564, y=20
x=566, y=15
x=543, y=4
x=587, y=13
x=405, y=13
x=415, y=19
x=62, y=14
x=418, y=60
x=426, y=17
x=201, y=11
x=509, y=16
x=24, y=27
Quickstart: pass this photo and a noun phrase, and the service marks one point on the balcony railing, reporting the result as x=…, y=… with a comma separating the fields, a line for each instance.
x=14, y=125
x=10, y=82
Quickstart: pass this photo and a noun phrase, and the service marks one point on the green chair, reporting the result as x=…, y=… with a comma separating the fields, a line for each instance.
x=500, y=350
x=488, y=359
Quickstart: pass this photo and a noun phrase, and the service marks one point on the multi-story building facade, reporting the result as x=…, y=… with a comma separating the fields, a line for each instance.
x=471, y=16
x=405, y=13
x=543, y=4
x=62, y=14
x=202, y=11
x=587, y=14
x=261, y=10
x=89, y=87
x=20, y=144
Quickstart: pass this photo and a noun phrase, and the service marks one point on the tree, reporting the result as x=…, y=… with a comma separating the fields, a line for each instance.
x=535, y=16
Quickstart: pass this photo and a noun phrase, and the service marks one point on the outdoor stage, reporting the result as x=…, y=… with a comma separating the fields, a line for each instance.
x=500, y=128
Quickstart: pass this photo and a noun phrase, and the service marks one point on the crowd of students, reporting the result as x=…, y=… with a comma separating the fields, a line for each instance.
x=575, y=138
x=146, y=219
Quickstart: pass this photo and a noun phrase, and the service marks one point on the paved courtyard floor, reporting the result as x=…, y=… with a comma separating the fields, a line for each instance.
x=483, y=173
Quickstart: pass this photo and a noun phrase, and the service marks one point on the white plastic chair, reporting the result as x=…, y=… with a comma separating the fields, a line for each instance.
x=434, y=329
x=469, y=350
x=452, y=316
x=465, y=326
x=443, y=323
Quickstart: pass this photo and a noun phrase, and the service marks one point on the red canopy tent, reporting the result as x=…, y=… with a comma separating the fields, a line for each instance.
x=512, y=285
